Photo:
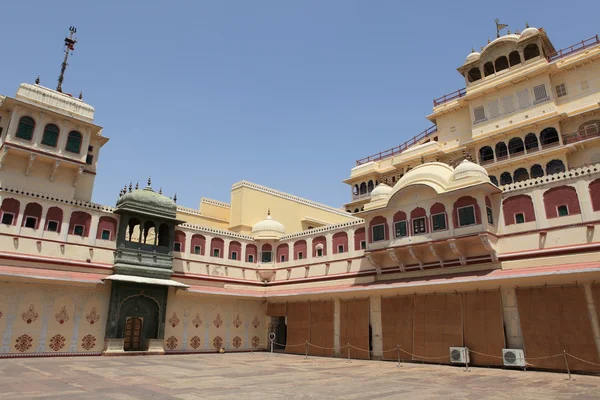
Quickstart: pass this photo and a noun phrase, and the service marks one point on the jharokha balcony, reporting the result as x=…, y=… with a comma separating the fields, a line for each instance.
x=394, y=151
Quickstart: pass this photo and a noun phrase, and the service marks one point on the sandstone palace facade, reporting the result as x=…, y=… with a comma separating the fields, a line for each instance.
x=481, y=234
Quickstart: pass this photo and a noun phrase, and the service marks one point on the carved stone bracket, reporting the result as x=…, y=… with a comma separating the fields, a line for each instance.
x=77, y=176
x=30, y=164
x=487, y=245
x=414, y=255
x=306, y=271
x=289, y=273
x=394, y=257
x=437, y=255
x=54, y=170
x=454, y=247
x=369, y=257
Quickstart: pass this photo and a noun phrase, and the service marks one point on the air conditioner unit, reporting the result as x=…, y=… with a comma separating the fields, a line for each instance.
x=459, y=355
x=513, y=357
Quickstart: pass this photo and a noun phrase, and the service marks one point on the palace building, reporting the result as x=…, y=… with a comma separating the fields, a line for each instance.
x=479, y=237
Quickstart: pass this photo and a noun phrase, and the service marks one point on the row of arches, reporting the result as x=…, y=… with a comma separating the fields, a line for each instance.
x=503, y=62
x=26, y=128
x=363, y=188
x=79, y=222
x=522, y=174
x=465, y=211
x=517, y=146
x=299, y=250
x=559, y=201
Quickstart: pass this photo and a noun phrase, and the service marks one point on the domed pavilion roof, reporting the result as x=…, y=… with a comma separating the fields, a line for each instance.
x=147, y=201
x=268, y=228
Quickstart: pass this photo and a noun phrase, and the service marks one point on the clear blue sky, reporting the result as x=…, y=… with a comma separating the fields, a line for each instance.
x=200, y=95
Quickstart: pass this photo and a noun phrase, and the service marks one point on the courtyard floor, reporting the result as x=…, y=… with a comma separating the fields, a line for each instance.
x=279, y=376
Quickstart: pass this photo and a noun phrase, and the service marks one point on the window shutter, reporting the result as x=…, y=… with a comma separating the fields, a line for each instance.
x=494, y=109
x=540, y=93
x=523, y=99
x=508, y=104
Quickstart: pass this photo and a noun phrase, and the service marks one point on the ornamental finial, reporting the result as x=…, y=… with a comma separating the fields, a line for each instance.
x=268, y=211
x=149, y=181
x=137, y=185
x=81, y=95
x=472, y=49
x=160, y=191
x=130, y=187
x=175, y=198
x=37, y=80
x=526, y=24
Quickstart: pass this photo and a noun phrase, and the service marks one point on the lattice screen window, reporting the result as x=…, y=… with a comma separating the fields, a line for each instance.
x=479, y=113
x=494, y=109
x=523, y=100
x=540, y=94
x=561, y=90
x=508, y=104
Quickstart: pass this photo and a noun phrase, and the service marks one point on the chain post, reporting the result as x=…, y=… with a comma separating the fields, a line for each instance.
x=466, y=359
x=306, y=355
x=567, y=364
x=398, y=349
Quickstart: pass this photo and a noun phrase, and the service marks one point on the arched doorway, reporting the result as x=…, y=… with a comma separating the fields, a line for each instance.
x=138, y=322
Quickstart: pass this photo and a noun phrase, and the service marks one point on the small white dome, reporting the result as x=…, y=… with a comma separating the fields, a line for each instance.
x=468, y=169
x=382, y=190
x=268, y=229
x=529, y=32
x=473, y=56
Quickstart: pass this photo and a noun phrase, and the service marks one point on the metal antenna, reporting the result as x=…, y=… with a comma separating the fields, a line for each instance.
x=69, y=47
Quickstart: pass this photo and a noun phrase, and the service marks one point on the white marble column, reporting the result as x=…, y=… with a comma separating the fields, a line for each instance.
x=329, y=245
x=592, y=314
x=376, y=327
x=336, y=327
x=309, y=249
x=94, y=229
x=512, y=323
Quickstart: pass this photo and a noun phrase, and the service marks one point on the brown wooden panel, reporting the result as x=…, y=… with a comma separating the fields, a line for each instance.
x=397, y=326
x=438, y=326
x=321, y=328
x=298, y=327
x=276, y=309
x=483, y=326
x=354, y=327
x=554, y=319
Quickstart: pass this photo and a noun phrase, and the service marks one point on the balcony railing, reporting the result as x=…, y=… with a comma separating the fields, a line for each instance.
x=583, y=134
x=449, y=97
x=398, y=149
x=584, y=44
x=360, y=196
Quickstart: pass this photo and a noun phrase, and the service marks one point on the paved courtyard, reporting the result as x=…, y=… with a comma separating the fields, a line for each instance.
x=279, y=376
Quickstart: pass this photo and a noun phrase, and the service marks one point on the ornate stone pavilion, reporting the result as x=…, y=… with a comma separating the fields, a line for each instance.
x=478, y=237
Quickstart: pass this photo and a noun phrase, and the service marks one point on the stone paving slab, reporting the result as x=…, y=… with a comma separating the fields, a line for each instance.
x=273, y=377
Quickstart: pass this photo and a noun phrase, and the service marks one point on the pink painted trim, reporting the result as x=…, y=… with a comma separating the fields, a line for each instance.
x=53, y=260
x=49, y=274
x=60, y=241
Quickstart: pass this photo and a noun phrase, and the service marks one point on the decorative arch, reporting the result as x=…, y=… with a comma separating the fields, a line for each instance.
x=340, y=241
x=79, y=224
x=363, y=188
x=494, y=180
x=501, y=63
x=283, y=253
x=54, y=218
x=217, y=244
x=50, y=135
x=415, y=215
x=319, y=242
x=537, y=171
x=399, y=216
x=514, y=58
x=180, y=239
x=521, y=174
x=378, y=220
x=25, y=128
x=465, y=201
x=355, y=190
x=519, y=204
x=589, y=128
x=531, y=143
x=531, y=51
x=106, y=224
x=300, y=250
x=74, y=140
x=486, y=154
x=505, y=178
x=474, y=74
x=549, y=136
x=251, y=250
x=501, y=151
x=10, y=211
x=164, y=235
x=561, y=196
x=359, y=236
x=198, y=244
x=437, y=223
x=515, y=146
x=370, y=186
x=488, y=68
x=555, y=167
x=32, y=215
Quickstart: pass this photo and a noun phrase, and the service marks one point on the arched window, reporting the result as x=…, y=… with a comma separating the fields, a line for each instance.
x=54, y=218
x=251, y=253
x=466, y=212
x=515, y=146
x=370, y=187
x=501, y=151
x=50, y=136
x=474, y=75
x=561, y=201
x=531, y=143
x=537, y=171
x=235, y=250
x=594, y=189
x=589, y=129
x=133, y=230
x=555, y=167
x=486, y=154
x=359, y=239
x=488, y=68
x=319, y=246
x=363, y=188
x=79, y=225
x=501, y=63
x=378, y=229
x=518, y=209
x=32, y=215
x=9, y=211
x=521, y=174
x=356, y=210
x=198, y=244
x=73, y=142
x=439, y=220
x=505, y=178
x=494, y=180
x=549, y=136
x=514, y=58
x=179, y=242
x=300, y=250
x=355, y=190
x=25, y=128
x=216, y=248
x=164, y=236
x=149, y=235
x=531, y=51
x=340, y=243
x=107, y=227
